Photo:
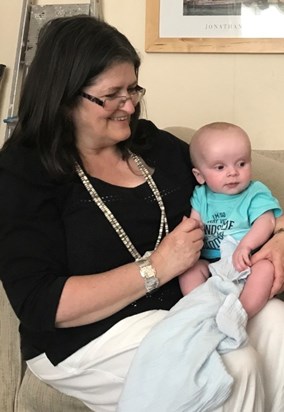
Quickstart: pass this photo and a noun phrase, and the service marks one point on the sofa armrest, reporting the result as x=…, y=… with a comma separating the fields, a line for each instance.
x=10, y=355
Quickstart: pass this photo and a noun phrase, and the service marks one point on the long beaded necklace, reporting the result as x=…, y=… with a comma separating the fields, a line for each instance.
x=110, y=217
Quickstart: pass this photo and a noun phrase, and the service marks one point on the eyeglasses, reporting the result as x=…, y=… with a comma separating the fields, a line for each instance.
x=112, y=103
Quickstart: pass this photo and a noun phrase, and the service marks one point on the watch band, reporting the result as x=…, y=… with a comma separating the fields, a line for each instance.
x=148, y=273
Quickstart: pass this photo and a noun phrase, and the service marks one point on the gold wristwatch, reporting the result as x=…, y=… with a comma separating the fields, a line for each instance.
x=148, y=273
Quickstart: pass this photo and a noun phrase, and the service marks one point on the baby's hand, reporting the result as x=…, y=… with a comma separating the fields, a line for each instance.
x=241, y=258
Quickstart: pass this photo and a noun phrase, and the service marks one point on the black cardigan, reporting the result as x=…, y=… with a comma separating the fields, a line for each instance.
x=50, y=231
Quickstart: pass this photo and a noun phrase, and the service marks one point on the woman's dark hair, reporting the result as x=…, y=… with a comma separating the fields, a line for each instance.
x=71, y=52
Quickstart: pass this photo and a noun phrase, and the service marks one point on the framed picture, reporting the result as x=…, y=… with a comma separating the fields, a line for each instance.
x=214, y=26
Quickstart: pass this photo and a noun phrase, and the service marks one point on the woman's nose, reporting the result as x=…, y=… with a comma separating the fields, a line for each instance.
x=127, y=105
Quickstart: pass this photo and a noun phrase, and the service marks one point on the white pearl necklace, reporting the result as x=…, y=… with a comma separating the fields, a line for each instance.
x=110, y=217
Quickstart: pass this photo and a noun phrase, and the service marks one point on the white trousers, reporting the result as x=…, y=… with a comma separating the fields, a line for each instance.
x=95, y=373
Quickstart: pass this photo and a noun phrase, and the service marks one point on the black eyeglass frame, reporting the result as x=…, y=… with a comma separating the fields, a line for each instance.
x=138, y=91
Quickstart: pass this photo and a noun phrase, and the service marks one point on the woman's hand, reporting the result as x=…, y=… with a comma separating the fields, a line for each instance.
x=273, y=250
x=179, y=250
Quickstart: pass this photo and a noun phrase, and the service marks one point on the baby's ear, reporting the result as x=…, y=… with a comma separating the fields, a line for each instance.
x=198, y=176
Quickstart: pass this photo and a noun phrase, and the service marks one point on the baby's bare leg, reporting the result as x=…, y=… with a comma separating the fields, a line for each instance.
x=256, y=291
x=194, y=276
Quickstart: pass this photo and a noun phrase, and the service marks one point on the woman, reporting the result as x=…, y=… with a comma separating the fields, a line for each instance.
x=87, y=190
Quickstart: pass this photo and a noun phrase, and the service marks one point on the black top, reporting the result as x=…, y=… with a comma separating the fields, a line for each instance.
x=50, y=231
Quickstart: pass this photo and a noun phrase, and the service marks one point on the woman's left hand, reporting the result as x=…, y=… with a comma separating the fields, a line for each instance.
x=273, y=250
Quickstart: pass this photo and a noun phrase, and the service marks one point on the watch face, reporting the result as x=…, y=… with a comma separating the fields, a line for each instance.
x=148, y=271
x=149, y=274
x=151, y=283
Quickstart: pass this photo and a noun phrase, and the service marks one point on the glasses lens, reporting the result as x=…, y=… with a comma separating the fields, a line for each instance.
x=140, y=92
x=112, y=104
x=117, y=102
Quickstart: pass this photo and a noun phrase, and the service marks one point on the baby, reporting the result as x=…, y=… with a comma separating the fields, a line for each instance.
x=228, y=203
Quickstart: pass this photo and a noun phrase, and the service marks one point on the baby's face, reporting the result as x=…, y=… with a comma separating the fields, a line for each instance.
x=225, y=164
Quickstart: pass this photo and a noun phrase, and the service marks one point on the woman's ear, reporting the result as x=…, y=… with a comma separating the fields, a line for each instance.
x=198, y=176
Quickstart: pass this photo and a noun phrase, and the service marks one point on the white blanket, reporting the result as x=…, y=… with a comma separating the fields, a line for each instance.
x=178, y=367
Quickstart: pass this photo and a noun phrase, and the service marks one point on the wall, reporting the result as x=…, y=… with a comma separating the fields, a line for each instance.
x=182, y=89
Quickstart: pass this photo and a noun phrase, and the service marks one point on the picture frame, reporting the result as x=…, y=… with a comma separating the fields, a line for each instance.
x=154, y=43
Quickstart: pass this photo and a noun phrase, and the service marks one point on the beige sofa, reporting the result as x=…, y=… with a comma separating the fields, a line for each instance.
x=20, y=391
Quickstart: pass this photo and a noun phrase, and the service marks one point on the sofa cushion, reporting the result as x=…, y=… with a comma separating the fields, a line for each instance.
x=36, y=396
x=270, y=172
